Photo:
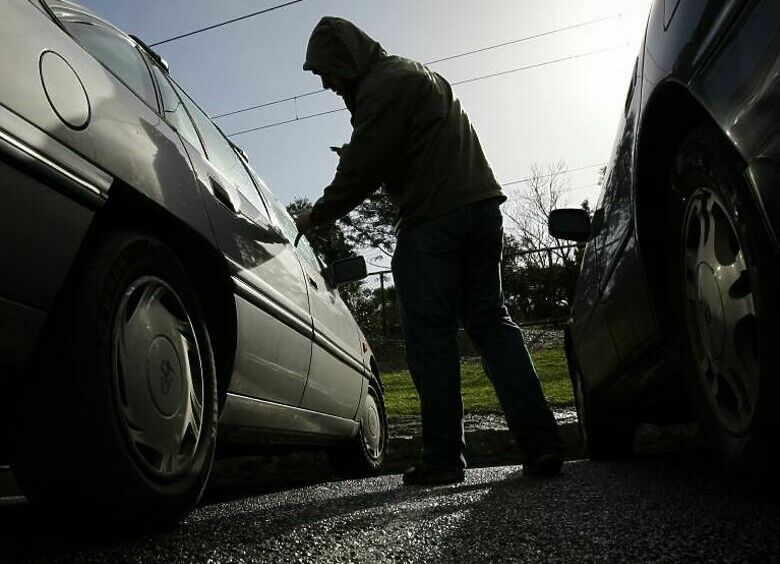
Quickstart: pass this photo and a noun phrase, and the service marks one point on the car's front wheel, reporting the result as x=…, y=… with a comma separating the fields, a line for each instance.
x=364, y=455
x=728, y=296
x=119, y=410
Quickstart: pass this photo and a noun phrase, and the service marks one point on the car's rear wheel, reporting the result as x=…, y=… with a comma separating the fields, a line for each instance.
x=364, y=455
x=604, y=436
x=119, y=410
x=729, y=307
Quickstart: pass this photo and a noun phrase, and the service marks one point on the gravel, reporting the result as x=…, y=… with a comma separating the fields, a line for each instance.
x=674, y=508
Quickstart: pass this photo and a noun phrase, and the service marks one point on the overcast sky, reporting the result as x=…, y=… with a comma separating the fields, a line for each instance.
x=564, y=111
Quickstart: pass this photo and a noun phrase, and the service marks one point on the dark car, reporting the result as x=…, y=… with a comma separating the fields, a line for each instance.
x=676, y=307
x=152, y=302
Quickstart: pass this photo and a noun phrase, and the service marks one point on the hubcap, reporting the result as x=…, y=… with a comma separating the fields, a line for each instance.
x=159, y=376
x=720, y=311
x=371, y=427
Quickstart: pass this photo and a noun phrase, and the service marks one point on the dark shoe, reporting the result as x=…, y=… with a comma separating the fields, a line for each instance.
x=542, y=451
x=432, y=475
x=545, y=462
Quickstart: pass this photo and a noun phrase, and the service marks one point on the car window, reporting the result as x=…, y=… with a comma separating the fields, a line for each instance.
x=221, y=154
x=118, y=55
x=174, y=111
x=283, y=219
x=307, y=253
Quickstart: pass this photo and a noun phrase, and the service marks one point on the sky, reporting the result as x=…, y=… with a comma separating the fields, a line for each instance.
x=567, y=111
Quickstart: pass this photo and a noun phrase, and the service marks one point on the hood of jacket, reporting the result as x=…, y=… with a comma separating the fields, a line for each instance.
x=340, y=48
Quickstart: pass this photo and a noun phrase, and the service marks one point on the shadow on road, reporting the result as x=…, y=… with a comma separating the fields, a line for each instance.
x=279, y=507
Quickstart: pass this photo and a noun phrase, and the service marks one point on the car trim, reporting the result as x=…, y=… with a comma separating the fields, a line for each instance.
x=8, y=143
x=18, y=139
x=245, y=411
x=338, y=352
x=269, y=305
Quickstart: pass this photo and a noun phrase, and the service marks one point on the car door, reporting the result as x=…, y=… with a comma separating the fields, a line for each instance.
x=336, y=374
x=274, y=325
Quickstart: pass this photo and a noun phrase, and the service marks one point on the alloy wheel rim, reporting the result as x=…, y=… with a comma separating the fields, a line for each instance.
x=158, y=376
x=371, y=427
x=720, y=310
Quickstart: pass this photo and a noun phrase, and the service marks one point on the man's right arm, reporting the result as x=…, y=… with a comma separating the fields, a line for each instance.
x=378, y=130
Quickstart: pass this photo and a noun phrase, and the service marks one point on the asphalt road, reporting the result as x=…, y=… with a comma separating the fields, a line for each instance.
x=663, y=508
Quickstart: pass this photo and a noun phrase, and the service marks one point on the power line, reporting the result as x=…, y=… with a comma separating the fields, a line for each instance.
x=526, y=38
x=226, y=22
x=266, y=104
x=552, y=174
x=467, y=81
x=527, y=67
x=449, y=58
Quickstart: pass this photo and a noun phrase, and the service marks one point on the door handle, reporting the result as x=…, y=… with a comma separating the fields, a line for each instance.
x=223, y=196
x=313, y=283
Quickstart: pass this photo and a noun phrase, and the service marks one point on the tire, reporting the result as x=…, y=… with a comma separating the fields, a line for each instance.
x=726, y=269
x=119, y=409
x=604, y=437
x=364, y=455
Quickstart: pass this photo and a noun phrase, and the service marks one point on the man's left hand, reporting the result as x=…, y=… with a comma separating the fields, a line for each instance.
x=303, y=221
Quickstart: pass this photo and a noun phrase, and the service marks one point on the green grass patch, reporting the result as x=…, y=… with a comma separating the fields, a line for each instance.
x=478, y=395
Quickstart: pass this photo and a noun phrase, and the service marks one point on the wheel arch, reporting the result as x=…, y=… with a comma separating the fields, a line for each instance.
x=671, y=112
x=127, y=208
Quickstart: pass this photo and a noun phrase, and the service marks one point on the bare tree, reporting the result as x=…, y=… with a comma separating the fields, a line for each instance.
x=528, y=209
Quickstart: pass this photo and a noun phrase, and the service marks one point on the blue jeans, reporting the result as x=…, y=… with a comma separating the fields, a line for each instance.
x=445, y=270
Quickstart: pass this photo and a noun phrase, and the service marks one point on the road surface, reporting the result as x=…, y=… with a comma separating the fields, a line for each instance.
x=662, y=508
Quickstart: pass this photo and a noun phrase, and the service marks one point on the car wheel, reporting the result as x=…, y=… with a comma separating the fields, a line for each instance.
x=364, y=455
x=603, y=437
x=119, y=410
x=727, y=272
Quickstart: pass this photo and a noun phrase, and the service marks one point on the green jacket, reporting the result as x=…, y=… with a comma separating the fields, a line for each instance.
x=410, y=132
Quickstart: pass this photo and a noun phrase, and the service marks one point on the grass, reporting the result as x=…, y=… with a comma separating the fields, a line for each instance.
x=478, y=395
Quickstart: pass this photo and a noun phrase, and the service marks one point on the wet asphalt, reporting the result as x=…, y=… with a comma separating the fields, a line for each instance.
x=661, y=508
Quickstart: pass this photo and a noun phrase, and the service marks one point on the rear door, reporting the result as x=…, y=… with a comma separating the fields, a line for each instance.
x=274, y=325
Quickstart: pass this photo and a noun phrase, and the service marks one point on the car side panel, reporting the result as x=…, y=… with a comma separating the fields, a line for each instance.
x=739, y=84
x=41, y=231
x=124, y=137
x=673, y=51
x=252, y=422
x=20, y=326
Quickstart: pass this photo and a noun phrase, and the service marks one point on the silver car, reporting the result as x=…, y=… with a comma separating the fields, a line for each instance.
x=152, y=302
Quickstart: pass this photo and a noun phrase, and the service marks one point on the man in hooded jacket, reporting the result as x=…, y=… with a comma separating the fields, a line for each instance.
x=411, y=135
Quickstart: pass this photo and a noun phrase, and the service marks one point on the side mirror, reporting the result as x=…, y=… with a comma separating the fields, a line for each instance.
x=347, y=270
x=569, y=224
